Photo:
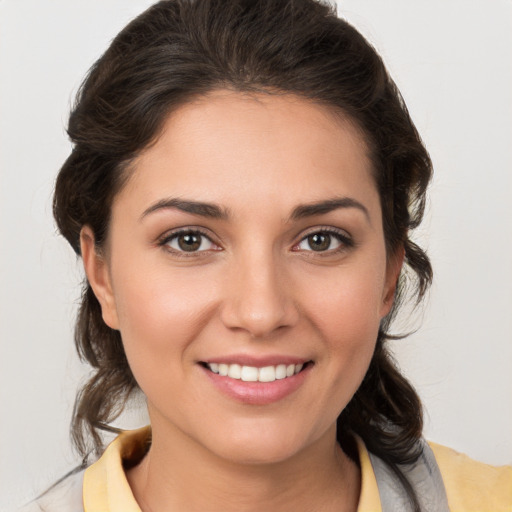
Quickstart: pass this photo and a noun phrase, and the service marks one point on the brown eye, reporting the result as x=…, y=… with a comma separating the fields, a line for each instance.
x=326, y=240
x=319, y=241
x=189, y=241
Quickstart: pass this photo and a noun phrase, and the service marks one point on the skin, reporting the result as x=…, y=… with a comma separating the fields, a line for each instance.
x=255, y=287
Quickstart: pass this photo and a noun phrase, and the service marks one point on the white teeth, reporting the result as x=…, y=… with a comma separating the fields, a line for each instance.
x=249, y=374
x=235, y=371
x=267, y=374
x=281, y=371
x=254, y=374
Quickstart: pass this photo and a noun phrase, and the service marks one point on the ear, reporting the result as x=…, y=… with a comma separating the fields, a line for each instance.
x=393, y=268
x=98, y=275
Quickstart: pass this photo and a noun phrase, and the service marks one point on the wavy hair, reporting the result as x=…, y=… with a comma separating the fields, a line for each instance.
x=181, y=49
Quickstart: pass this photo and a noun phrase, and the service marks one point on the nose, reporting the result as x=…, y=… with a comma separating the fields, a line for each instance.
x=259, y=297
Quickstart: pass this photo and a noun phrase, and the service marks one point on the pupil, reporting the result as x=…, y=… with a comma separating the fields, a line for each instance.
x=319, y=241
x=189, y=242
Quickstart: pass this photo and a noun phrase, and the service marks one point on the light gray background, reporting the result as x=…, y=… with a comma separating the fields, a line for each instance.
x=452, y=62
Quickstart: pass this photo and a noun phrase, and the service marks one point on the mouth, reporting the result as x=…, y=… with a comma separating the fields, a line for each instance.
x=257, y=382
x=263, y=374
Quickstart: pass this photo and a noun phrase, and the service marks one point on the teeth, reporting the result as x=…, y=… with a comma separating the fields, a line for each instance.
x=254, y=374
x=267, y=374
x=235, y=371
x=281, y=371
x=249, y=374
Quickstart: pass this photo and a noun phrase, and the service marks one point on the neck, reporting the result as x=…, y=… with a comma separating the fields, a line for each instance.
x=179, y=474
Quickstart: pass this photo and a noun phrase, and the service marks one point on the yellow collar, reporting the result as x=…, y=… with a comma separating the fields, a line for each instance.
x=106, y=488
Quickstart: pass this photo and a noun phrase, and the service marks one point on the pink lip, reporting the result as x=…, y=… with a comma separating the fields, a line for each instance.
x=257, y=393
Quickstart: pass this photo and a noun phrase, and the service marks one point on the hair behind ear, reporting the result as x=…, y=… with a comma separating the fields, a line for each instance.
x=99, y=343
x=102, y=399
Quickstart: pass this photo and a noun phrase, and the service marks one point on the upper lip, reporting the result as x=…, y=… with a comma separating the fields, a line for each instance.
x=257, y=361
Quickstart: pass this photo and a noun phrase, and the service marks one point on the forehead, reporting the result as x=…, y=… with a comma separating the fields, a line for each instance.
x=233, y=148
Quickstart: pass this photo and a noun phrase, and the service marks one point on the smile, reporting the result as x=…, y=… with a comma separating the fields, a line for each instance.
x=257, y=380
x=253, y=373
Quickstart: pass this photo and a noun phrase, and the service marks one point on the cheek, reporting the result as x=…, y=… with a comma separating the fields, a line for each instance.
x=348, y=305
x=160, y=314
x=346, y=312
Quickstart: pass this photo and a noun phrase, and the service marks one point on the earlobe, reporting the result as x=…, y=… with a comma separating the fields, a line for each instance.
x=394, y=266
x=97, y=272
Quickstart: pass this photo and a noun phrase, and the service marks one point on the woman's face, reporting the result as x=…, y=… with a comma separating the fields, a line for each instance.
x=248, y=241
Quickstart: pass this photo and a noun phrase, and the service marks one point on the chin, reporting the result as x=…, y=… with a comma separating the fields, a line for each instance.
x=264, y=444
x=259, y=453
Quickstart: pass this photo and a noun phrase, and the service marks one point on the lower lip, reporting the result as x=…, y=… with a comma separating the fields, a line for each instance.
x=258, y=393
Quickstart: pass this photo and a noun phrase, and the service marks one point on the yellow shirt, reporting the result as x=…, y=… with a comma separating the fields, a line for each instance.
x=470, y=486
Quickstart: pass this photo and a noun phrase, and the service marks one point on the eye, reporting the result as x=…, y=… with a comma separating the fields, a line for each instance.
x=189, y=241
x=324, y=241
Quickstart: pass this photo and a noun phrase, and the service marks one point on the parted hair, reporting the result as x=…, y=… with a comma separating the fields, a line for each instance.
x=178, y=50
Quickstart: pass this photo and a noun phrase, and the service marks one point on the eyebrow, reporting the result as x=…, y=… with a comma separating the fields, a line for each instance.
x=195, y=207
x=214, y=211
x=326, y=206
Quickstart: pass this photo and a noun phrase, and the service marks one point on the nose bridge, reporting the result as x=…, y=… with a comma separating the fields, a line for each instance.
x=258, y=297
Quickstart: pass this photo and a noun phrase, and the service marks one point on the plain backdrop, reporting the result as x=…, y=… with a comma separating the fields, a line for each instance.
x=451, y=60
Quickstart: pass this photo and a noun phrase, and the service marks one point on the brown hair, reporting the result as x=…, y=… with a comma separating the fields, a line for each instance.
x=180, y=49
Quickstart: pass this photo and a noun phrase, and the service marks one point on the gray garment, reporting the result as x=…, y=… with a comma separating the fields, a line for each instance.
x=425, y=478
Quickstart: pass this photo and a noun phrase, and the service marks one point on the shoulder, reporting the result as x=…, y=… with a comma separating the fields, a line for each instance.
x=472, y=485
x=64, y=496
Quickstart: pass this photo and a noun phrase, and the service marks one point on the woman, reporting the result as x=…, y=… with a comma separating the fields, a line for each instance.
x=242, y=188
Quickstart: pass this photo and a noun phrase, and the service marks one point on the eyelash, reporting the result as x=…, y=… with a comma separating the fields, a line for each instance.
x=166, y=239
x=345, y=241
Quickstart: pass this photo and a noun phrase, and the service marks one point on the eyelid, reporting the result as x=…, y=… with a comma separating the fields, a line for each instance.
x=343, y=236
x=165, y=238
